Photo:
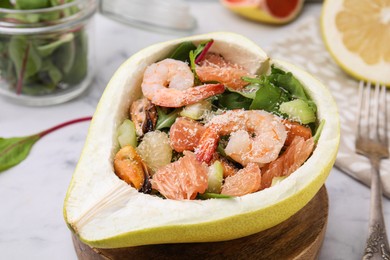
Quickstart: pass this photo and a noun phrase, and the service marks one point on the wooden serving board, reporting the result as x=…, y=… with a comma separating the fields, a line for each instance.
x=299, y=237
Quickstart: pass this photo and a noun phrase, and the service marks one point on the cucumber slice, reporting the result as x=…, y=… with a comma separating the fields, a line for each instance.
x=126, y=134
x=196, y=111
x=298, y=110
x=215, y=176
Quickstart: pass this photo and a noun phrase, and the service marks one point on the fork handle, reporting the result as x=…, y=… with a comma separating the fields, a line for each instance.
x=377, y=244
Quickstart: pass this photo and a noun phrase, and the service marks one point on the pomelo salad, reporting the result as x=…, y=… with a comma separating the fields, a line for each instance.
x=207, y=128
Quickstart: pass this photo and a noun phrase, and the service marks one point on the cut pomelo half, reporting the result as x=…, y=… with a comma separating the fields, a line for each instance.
x=357, y=34
x=105, y=212
x=268, y=11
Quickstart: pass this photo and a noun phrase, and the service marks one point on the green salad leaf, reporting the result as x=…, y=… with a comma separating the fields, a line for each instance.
x=182, y=51
x=287, y=81
x=268, y=96
x=233, y=100
x=193, y=55
x=166, y=118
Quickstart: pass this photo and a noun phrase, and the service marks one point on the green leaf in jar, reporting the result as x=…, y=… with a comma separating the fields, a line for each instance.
x=32, y=4
x=6, y=4
x=22, y=51
x=48, y=49
x=50, y=16
x=80, y=65
x=64, y=56
x=23, y=18
x=53, y=72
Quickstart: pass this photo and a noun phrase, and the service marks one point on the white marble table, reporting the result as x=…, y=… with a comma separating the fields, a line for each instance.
x=32, y=193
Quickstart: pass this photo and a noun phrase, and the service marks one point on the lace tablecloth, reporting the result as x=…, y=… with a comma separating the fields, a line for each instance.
x=306, y=49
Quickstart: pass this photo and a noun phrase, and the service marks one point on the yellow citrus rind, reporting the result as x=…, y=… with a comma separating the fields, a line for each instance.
x=350, y=62
x=261, y=14
x=130, y=218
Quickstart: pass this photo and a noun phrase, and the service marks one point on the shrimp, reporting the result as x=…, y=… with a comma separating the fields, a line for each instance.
x=129, y=167
x=144, y=115
x=170, y=83
x=215, y=68
x=292, y=158
x=182, y=179
x=185, y=134
x=255, y=136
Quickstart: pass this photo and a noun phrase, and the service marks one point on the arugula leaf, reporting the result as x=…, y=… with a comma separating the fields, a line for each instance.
x=248, y=91
x=232, y=100
x=287, y=81
x=193, y=55
x=268, y=96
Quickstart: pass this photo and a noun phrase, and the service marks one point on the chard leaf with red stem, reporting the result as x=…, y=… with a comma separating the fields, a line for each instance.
x=14, y=150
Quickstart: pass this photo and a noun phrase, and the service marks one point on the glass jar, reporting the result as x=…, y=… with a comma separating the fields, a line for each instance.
x=46, y=54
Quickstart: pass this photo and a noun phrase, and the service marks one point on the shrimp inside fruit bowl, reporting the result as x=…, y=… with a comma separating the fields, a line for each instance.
x=201, y=139
x=206, y=126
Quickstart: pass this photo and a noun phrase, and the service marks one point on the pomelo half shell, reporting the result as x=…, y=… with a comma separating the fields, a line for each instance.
x=267, y=11
x=105, y=212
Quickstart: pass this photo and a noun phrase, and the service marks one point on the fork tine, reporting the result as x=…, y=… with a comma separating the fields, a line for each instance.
x=374, y=149
x=364, y=109
x=376, y=113
x=359, y=110
x=383, y=101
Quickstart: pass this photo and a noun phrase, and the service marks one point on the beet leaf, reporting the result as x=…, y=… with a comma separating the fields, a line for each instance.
x=14, y=150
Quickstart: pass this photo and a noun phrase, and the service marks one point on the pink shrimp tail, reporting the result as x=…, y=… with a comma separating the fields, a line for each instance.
x=201, y=92
x=171, y=97
x=208, y=145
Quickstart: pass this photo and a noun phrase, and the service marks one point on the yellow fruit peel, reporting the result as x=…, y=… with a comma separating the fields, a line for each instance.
x=356, y=36
x=260, y=12
x=104, y=212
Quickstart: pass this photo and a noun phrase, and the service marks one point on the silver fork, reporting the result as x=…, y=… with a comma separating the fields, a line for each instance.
x=372, y=142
